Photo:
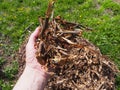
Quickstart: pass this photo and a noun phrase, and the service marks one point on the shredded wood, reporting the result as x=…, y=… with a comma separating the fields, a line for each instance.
x=75, y=63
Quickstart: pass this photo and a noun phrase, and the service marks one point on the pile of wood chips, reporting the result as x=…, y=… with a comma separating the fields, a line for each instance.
x=75, y=63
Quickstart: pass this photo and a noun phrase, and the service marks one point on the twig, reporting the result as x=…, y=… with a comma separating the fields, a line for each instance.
x=70, y=32
x=68, y=41
x=58, y=47
x=75, y=84
x=48, y=15
x=41, y=20
x=28, y=27
x=63, y=52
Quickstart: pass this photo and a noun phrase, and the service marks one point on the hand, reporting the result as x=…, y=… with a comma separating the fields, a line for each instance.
x=34, y=76
x=31, y=59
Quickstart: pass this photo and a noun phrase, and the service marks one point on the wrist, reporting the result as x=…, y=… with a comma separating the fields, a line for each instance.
x=39, y=72
x=33, y=64
x=31, y=79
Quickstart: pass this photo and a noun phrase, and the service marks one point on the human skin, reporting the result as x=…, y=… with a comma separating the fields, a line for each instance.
x=34, y=77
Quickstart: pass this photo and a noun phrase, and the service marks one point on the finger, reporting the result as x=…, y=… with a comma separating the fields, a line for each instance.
x=33, y=36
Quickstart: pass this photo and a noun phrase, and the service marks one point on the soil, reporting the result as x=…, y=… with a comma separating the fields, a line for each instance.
x=118, y=1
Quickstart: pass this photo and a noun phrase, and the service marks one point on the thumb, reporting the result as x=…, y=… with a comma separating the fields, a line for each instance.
x=33, y=36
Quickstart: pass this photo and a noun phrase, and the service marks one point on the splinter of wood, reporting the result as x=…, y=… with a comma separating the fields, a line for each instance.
x=48, y=15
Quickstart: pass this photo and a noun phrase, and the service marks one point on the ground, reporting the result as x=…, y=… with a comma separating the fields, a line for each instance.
x=117, y=1
x=103, y=16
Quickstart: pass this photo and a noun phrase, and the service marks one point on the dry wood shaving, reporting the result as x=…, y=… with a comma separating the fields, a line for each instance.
x=76, y=63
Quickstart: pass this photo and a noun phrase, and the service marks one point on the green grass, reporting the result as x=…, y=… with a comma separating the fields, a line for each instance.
x=103, y=16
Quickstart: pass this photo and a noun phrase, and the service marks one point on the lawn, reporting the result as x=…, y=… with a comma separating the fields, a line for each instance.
x=103, y=16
